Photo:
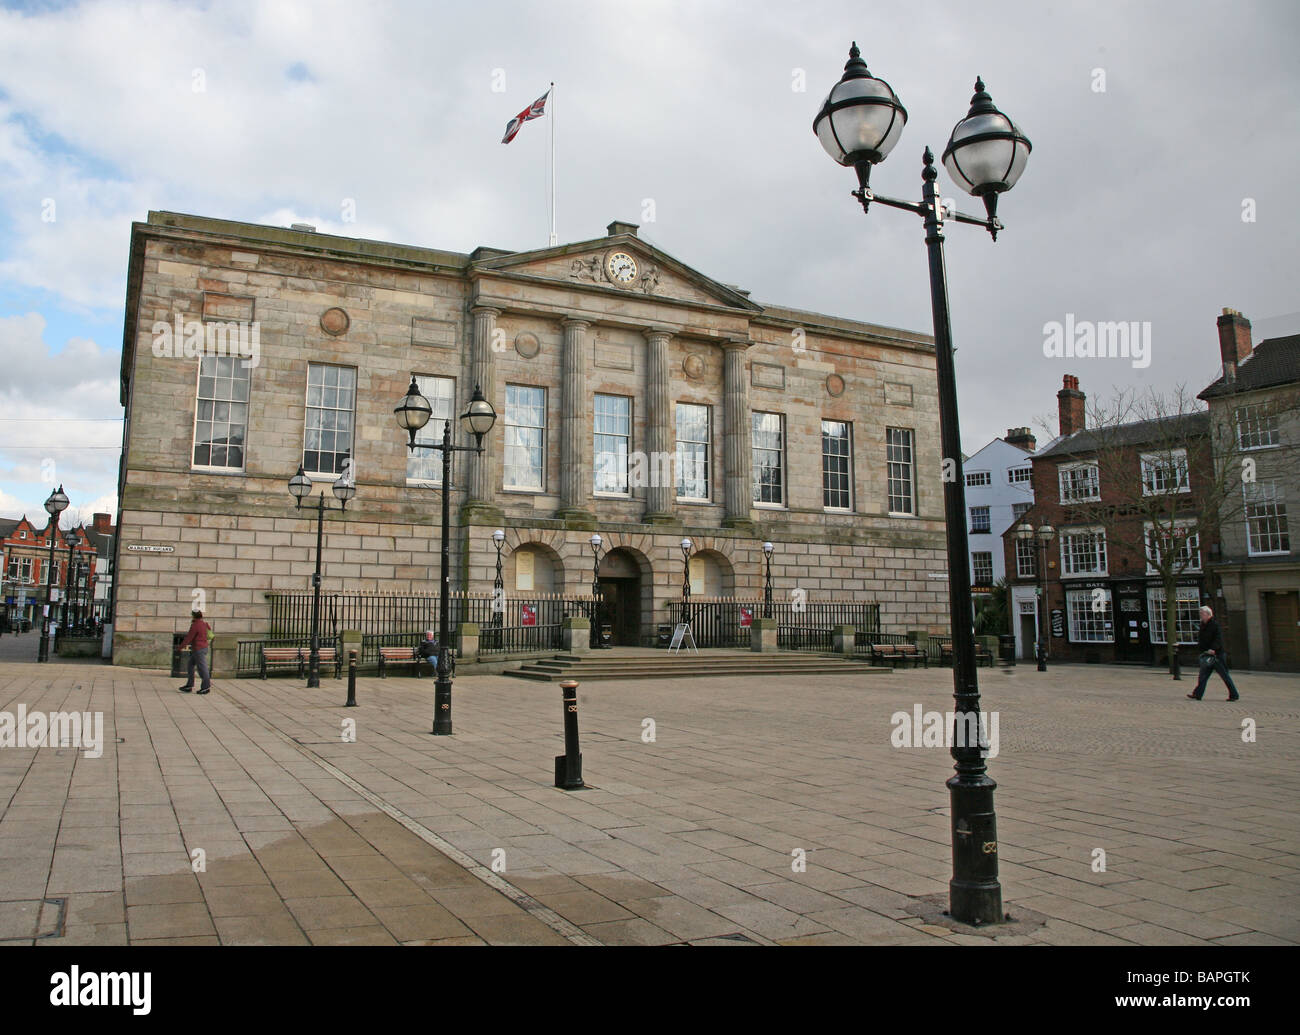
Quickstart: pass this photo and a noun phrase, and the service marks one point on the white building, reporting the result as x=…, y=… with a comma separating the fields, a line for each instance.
x=998, y=492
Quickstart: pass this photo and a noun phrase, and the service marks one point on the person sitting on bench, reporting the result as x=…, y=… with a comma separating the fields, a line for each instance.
x=428, y=649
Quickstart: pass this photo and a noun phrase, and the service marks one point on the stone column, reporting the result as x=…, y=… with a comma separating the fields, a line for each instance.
x=660, y=440
x=575, y=471
x=737, y=440
x=482, y=467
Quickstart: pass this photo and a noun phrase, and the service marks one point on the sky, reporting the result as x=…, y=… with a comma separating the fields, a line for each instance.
x=1166, y=138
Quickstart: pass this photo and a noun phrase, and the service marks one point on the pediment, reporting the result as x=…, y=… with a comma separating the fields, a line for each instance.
x=584, y=264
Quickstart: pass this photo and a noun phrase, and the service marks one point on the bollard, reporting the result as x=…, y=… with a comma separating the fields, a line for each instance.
x=352, y=680
x=568, y=766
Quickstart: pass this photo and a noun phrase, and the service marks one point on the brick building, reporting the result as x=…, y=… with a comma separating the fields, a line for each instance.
x=25, y=564
x=1108, y=492
x=608, y=362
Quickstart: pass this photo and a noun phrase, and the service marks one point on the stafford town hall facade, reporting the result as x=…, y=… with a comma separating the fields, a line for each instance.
x=635, y=398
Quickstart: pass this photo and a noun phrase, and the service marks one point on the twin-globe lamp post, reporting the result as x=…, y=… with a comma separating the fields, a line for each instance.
x=767, y=580
x=858, y=124
x=54, y=506
x=300, y=488
x=413, y=413
x=1044, y=533
x=498, y=590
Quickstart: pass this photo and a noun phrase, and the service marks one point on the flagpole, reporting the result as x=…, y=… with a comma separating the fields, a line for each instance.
x=554, y=238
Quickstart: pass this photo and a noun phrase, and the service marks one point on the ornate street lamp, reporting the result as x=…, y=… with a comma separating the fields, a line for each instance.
x=687, y=546
x=300, y=488
x=858, y=125
x=596, y=595
x=498, y=590
x=413, y=413
x=69, y=585
x=54, y=506
x=767, y=580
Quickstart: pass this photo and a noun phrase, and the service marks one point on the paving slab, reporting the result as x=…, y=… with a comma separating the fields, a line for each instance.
x=691, y=838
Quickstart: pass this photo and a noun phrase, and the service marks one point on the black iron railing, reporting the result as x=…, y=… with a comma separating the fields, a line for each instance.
x=801, y=625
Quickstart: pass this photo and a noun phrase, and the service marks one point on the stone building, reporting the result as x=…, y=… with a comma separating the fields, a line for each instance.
x=1255, y=405
x=635, y=397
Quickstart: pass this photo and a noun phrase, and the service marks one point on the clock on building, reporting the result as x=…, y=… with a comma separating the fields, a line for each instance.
x=620, y=267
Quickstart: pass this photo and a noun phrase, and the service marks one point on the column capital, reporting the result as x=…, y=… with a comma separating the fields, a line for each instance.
x=735, y=344
x=575, y=323
x=653, y=333
x=485, y=310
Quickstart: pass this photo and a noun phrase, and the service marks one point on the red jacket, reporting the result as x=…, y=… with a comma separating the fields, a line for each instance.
x=198, y=635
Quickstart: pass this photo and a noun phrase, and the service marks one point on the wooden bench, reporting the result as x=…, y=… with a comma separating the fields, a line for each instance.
x=298, y=657
x=410, y=656
x=898, y=653
x=982, y=654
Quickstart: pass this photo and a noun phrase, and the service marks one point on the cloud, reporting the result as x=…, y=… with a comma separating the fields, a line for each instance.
x=47, y=402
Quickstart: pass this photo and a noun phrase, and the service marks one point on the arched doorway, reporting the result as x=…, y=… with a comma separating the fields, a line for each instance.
x=620, y=587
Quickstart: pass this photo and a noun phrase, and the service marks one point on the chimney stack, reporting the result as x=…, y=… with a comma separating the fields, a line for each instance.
x=1234, y=342
x=102, y=523
x=1021, y=437
x=1070, y=406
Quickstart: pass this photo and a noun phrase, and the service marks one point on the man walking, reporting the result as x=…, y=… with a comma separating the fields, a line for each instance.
x=197, y=640
x=1210, y=643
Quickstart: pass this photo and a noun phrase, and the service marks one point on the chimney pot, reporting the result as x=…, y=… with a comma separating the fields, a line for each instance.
x=1070, y=406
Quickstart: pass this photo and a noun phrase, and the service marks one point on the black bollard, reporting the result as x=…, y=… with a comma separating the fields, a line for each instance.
x=568, y=766
x=352, y=680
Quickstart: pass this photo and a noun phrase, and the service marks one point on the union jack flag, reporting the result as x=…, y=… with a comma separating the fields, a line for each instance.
x=534, y=111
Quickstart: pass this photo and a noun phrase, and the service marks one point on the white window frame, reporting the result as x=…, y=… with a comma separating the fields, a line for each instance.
x=781, y=461
x=974, y=479
x=1086, y=625
x=1026, y=473
x=1156, y=466
x=213, y=364
x=1267, y=425
x=1266, y=495
x=974, y=568
x=1026, y=548
x=1068, y=570
x=309, y=408
x=848, y=471
x=907, y=466
x=1188, y=618
x=626, y=491
x=685, y=460
x=1191, y=545
x=1068, y=497
x=510, y=441
x=988, y=521
x=424, y=466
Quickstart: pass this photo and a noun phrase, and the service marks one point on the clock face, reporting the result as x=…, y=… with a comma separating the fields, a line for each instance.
x=621, y=268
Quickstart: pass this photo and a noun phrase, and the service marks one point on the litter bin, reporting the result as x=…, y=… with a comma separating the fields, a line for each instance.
x=606, y=635
x=179, y=663
x=665, y=635
x=1007, y=647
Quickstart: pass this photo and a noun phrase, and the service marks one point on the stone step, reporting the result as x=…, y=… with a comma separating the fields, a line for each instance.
x=591, y=670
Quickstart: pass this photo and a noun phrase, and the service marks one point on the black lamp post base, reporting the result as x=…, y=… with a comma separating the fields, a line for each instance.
x=974, y=893
x=442, y=708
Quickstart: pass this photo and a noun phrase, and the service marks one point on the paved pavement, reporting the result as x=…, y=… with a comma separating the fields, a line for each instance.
x=1126, y=813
